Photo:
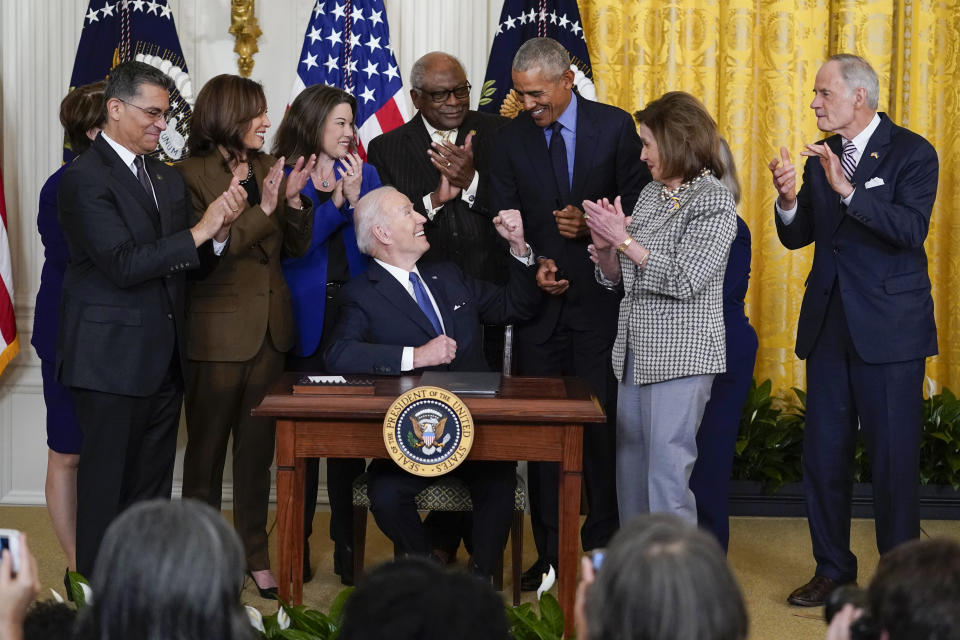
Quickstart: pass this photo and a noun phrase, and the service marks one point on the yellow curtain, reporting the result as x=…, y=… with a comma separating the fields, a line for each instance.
x=752, y=63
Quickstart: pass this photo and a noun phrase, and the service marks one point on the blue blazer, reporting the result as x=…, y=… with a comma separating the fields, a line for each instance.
x=378, y=317
x=46, y=312
x=307, y=276
x=872, y=249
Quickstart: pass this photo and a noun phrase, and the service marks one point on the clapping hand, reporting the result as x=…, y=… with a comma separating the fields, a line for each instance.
x=297, y=179
x=784, y=179
x=607, y=223
x=570, y=222
x=831, y=167
x=453, y=161
x=348, y=186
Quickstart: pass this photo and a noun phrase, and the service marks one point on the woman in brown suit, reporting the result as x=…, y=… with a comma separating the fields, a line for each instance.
x=239, y=316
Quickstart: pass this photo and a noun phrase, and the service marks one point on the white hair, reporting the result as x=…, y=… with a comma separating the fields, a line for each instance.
x=369, y=213
x=857, y=73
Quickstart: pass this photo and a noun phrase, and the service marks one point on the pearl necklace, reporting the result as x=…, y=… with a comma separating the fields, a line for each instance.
x=667, y=194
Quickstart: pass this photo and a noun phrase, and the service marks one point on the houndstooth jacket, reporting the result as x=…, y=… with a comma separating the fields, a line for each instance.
x=671, y=316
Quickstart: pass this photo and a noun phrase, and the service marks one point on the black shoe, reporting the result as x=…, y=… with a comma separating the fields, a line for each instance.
x=270, y=593
x=815, y=592
x=66, y=584
x=307, y=569
x=343, y=563
x=532, y=577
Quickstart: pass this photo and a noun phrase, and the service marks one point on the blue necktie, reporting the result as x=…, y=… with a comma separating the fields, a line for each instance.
x=423, y=301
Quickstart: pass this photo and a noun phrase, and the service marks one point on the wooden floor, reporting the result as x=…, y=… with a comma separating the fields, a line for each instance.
x=770, y=556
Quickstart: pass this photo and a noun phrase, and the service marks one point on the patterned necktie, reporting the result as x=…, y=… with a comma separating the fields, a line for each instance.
x=558, y=157
x=423, y=301
x=143, y=177
x=846, y=160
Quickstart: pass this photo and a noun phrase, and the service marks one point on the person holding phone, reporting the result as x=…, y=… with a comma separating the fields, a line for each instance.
x=321, y=121
x=239, y=316
x=19, y=583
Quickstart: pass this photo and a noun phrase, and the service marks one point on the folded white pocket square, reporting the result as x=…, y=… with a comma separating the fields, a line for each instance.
x=457, y=306
x=873, y=182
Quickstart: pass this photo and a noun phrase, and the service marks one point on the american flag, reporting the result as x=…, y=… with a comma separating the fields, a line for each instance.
x=347, y=45
x=9, y=343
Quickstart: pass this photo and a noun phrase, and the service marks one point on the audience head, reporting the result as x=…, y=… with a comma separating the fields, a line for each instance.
x=915, y=593
x=137, y=98
x=319, y=121
x=49, y=620
x=679, y=137
x=230, y=115
x=82, y=114
x=415, y=599
x=439, y=90
x=847, y=95
x=168, y=570
x=664, y=579
x=543, y=79
x=729, y=177
x=389, y=228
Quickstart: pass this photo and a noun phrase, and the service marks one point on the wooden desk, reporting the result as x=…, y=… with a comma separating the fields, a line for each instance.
x=532, y=419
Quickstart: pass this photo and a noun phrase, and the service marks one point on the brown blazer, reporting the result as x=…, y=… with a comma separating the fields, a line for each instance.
x=230, y=310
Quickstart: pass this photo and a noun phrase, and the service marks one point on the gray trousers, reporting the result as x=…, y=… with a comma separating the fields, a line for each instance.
x=657, y=444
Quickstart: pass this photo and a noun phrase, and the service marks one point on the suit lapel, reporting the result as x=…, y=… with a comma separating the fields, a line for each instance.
x=586, y=145
x=160, y=189
x=875, y=151
x=539, y=156
x=397, y=295
x=126, y=179
x=417, y=142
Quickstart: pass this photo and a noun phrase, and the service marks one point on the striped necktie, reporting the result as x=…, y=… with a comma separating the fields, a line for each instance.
x=847, y=160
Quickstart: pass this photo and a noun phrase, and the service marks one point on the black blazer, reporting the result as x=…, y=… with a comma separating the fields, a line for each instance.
x=872, y=249
x=378, y=317
x=459, y=233
x=122, y=312
x=606, y=164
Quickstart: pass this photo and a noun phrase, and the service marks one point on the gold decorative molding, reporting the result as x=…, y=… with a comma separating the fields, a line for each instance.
x=244, y=28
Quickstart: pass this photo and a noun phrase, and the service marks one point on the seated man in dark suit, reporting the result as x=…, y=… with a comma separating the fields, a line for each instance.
x=399, y=317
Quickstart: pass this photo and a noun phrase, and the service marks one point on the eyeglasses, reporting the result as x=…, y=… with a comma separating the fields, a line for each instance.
x=438, y=97
x=153, y=112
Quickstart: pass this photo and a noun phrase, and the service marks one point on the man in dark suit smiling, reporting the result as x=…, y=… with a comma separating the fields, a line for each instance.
x=403, y=315
x=121, y=345
x=866, y=323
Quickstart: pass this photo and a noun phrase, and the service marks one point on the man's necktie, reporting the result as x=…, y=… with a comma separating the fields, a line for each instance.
x=423, y=301
x=846, y=160
x=558, y=157
x=143, y=177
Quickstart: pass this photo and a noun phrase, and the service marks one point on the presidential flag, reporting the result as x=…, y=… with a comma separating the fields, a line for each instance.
x=116, y=31
x=347, y=45
x=521, y=20
x=9, y=343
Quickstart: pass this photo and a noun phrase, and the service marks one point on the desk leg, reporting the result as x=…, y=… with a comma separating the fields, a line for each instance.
x=569, y=501
x=290, y=480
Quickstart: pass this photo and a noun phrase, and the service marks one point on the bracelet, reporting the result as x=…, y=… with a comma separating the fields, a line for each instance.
x=626, y=243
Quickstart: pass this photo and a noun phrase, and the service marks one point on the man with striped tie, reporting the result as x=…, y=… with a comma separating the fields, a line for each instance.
x=866, y=323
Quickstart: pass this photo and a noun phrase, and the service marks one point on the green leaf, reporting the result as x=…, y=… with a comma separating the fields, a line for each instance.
x=297, y=634
x=484, y=101
x=336, y=607
x=551, y=613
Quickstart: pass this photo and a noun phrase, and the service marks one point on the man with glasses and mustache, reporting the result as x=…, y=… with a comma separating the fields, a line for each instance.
x=126, y=218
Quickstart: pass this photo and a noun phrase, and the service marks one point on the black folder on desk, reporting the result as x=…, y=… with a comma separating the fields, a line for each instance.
x=471, y=383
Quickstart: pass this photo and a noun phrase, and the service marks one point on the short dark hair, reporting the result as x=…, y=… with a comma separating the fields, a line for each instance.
x=222, y=114
x=126, y=78
x=81, y=110
x=551, y=57
x=664, y=579
x=301, y=131
x=686, y=135
x=915, y=593
x=49, y=620
x=168, y=570
x=398, y=600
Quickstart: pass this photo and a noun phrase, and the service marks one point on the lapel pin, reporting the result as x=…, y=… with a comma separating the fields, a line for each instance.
x=875, y=155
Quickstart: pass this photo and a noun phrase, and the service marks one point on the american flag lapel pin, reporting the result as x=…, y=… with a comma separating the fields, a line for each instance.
x=875, y=155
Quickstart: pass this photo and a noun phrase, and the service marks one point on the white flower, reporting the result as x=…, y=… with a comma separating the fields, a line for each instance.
x=283, y=620
x=256, y=618
x=87, y=593
x=56, y=596
x=931, y=386
x=583, y=84
x=546, y=582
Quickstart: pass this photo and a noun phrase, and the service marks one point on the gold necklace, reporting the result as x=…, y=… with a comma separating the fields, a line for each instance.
x=673, y=195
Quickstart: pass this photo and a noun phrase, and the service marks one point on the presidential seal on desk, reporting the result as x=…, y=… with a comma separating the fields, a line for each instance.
x=428, y=431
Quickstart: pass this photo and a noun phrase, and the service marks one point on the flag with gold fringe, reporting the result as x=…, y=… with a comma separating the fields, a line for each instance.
x=10, y=345
x=116, y=31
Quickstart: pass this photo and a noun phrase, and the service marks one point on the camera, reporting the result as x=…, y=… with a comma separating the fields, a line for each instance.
x=863, y=628
x=10, y=541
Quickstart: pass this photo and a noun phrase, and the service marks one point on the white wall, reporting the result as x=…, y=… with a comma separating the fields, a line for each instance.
x=39, y=40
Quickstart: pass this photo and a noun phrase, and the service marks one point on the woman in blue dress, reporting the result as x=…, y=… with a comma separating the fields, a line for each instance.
x=82, y=115
x=321, y=121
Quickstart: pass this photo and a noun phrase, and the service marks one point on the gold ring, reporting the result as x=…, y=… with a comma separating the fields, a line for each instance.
x=448, y=163
x=586, y=216
x=349, y=173
x=234, y=210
